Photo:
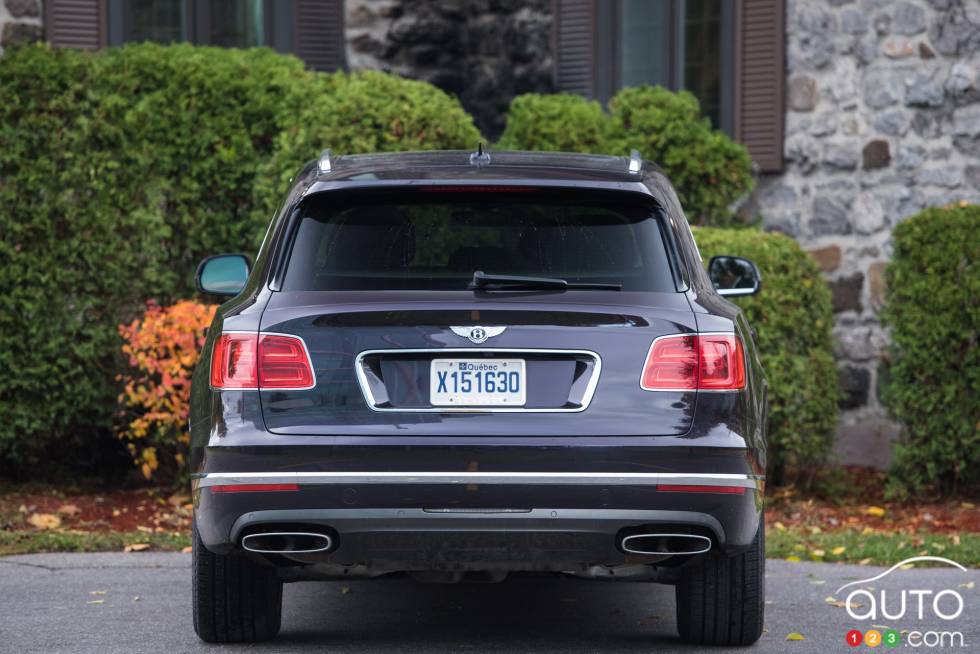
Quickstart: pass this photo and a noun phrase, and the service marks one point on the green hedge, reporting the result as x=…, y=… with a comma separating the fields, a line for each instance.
x=792, y=316
x=120, y=170
x=933, y=310
x=708, y=169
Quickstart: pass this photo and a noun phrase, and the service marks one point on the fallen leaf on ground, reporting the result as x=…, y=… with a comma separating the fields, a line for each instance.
x=69, y=510
x=837, y=551
x=795, y=636
x=187, y=550
x=44, y=521
x=793, y=559
x=344, y=590
x=864, y=561
x=968, y=584
x=819, y=553
x=95, y=602
x=137, y=547
x=814, y=529
x=876, y=511
x=145, y=530
x=908, y=566
x=968, y=505
x=780, y=526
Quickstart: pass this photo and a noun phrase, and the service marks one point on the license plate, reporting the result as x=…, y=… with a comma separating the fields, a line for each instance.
x=477, y=382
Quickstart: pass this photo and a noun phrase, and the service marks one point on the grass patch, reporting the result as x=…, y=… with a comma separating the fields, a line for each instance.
x=874, y=548
x=31, y=542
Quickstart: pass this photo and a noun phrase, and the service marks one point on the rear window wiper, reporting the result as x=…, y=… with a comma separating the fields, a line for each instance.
x=483, y=281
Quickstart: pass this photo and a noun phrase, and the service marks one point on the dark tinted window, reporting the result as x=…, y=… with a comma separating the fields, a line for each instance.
x=426, y=240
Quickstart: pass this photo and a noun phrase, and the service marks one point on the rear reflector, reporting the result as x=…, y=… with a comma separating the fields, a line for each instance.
x=687, y=362
x=261, y=361
x=254, y=488
x=682, y=488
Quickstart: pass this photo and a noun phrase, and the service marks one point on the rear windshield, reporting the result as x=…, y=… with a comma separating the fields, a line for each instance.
x=428, y=240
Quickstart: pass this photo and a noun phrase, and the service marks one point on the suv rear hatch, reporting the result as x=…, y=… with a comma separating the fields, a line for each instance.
x=413, y=327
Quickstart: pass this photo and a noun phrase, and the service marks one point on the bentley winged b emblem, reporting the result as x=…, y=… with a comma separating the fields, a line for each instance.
x=478, y=334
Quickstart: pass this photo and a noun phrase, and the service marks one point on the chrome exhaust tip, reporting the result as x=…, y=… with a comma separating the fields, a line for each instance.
x=286, y=542
x=665, y=544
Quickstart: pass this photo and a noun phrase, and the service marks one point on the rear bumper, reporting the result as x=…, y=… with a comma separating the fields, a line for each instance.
x=514, y=520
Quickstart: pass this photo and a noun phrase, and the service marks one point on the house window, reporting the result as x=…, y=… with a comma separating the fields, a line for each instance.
x=228, y=23
x=237, y=23
x=677, y=44
x=163, y=21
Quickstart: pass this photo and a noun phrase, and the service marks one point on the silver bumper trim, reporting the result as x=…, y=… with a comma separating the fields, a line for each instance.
x=465, y=478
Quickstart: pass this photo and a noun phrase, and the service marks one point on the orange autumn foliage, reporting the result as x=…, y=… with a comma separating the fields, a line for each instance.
x=163, y=347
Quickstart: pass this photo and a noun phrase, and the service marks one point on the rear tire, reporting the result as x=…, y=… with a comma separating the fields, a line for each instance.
x=235, y=599
x=721, y=599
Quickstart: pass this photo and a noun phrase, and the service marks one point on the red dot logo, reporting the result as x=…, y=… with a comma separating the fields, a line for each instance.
x=854, y=637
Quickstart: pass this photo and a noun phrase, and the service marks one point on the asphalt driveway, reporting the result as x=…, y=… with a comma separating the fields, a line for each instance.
x=141, y=603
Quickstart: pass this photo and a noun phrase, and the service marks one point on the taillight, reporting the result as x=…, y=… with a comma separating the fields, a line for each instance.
x=261, y=361
x=234, y=363
x=672, y=364
x=722, y=363
x=283, y=362
x=684, y=362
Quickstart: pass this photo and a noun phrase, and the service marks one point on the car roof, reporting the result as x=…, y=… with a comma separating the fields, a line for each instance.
x=462, y=165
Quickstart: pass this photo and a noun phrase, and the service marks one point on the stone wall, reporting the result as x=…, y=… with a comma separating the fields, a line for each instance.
x=483, y=51
x=883, y=119
x=20, y=22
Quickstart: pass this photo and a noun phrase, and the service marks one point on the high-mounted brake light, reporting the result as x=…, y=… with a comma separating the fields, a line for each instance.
x=261, y=361
x=684, y=362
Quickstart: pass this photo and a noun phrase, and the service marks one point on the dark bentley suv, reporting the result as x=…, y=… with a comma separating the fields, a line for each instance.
x=455, y=366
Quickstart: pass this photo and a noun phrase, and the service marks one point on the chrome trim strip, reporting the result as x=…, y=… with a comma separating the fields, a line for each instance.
x=465, y=478
x=287, y=533
x=473, y=351
x=695, y=536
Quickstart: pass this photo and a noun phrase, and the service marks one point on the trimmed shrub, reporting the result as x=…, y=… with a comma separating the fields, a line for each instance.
x=363, y=112
x=163, y=347
x=556, y=123
x=933, y=310
x=119, y=171
x=708, y=169
x=792, y=317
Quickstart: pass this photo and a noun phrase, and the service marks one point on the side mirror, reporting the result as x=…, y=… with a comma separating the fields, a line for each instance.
x=222, y=274
x=733, y=276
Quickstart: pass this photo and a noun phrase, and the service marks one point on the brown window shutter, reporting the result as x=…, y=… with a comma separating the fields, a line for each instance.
x=318, y=34
x=75, y=23
x=760, y=80
x=575, y=46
